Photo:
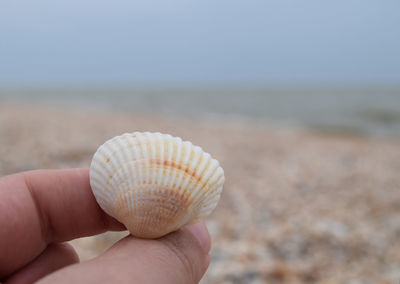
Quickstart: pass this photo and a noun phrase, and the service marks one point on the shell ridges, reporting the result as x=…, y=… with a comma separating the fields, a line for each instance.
x=155, y=183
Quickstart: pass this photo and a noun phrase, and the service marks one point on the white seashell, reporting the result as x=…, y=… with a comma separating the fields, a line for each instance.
x=154, y=183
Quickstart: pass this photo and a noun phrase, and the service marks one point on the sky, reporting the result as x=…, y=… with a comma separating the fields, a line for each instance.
x=207, y=41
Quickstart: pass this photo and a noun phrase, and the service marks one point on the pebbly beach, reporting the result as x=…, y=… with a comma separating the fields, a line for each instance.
x=298, y=206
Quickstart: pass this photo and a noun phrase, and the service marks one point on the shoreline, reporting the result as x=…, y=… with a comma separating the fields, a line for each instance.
x=362, y=112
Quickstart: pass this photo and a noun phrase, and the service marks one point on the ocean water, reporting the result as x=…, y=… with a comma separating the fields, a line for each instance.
x=349, y=111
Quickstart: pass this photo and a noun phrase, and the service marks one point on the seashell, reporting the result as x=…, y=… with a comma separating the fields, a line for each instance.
x=154, y=183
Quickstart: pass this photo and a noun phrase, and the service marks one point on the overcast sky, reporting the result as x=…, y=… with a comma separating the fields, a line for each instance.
x=203, y=41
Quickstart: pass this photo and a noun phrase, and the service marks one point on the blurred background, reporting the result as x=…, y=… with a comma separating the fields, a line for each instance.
x=298, y=100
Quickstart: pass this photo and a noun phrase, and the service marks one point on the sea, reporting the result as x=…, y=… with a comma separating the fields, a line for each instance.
x=361, y=111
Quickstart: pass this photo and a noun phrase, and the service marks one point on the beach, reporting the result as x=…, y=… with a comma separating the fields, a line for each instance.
x=298, y=206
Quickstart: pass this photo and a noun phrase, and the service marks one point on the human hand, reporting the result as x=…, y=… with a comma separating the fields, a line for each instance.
x=39, y=210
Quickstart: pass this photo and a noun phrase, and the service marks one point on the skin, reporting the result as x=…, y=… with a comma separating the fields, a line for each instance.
x=40, y=210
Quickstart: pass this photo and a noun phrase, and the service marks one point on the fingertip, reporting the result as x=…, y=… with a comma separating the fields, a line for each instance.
x=200, y=232
x=69, y=251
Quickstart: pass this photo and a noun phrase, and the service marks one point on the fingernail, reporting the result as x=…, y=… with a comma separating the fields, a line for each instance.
x=200, y=232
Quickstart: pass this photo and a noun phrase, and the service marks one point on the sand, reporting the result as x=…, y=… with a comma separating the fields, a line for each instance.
x=297, y=207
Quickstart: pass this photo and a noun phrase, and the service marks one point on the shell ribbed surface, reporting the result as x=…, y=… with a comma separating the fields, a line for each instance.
x=154, y=183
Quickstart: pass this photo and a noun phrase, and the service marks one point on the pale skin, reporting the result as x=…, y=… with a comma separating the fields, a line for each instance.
x=41, y=210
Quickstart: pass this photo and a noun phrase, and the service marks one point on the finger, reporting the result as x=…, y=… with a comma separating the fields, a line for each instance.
x=180, y=257
x=40, y=207
x=54, y=257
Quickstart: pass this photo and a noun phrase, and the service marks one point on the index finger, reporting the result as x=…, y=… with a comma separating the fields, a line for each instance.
x=44, y=206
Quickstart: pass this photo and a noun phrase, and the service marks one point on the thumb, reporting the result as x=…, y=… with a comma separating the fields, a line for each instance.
x=180, y=257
